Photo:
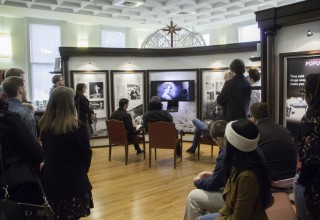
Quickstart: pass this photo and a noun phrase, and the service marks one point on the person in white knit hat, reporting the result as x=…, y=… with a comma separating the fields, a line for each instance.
x=247, y=192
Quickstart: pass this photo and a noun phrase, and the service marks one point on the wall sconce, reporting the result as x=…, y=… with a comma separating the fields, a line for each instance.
x=309, y=33
x=5, y=45
x=82, y=42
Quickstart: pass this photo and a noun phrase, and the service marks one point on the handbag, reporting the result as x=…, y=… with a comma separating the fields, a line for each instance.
x=12, y=210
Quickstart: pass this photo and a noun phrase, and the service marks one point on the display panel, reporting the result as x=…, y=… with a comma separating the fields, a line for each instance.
x=177, y=90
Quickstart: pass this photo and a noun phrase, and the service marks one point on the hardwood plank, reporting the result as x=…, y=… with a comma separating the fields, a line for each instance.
x=135, y=191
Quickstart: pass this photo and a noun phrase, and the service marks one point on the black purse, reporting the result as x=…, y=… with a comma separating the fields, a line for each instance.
x=11, y=210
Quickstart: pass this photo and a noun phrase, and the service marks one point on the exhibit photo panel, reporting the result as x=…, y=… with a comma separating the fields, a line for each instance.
x=97, y=92
x=212, y=81
x=296, y=67
x=177, y=90
x=129, y=85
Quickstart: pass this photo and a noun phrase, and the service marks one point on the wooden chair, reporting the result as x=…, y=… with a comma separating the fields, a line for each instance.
x=118, y=136
x=204, y=139
x=281, y=208
x=163, y=135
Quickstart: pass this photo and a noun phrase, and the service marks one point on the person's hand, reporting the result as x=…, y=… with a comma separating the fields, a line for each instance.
x=41, y=165
x=196, y=178
x=205, y=174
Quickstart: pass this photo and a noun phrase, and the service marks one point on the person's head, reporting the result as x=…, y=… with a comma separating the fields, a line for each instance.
x=237, y=66
x=81, y=88
x=3, y=95
x=155, y=103
x=167, y=88
x=217, y=131
x=259, y=111
x=14, y=72
x=242, y=137
x=60, y=115
x=253, y=75
x=312, y=91
x=228, y=75
x=123, y=103
x=57, y=80
x=14, y=88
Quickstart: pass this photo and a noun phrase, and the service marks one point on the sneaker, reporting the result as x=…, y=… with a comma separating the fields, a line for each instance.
x=140, y=151
x=191, y=151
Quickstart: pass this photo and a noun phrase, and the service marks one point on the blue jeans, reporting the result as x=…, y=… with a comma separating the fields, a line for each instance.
x=212, y=216
x=300, y=204
x=199, y=125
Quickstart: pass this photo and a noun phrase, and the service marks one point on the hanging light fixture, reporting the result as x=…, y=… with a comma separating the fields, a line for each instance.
x=5, y=45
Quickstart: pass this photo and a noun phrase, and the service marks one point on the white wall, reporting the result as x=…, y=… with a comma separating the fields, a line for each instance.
x=294, y=39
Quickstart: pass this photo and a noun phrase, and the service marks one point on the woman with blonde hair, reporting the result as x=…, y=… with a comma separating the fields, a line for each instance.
x=68, y=157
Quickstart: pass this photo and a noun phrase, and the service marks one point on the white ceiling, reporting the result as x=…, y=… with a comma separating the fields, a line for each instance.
x=184, y=13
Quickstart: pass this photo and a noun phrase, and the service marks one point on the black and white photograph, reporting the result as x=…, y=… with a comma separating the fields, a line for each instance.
x=133, y=91
x=96, y=105
x=209, y=85
x=210, y=95
x=96, y=90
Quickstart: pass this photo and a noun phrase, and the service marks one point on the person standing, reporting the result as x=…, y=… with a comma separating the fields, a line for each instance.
x=68, y=157
x=307, y=187
x=16, y=92
x=83, y=107
x=235, y=94
x=121, y=114
x=254, y=80
x=57, y=80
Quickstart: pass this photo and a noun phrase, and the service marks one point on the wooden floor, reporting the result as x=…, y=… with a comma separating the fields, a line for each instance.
x=135, y=191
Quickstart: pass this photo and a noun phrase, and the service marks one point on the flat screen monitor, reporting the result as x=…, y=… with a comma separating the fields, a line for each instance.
x=176, y=90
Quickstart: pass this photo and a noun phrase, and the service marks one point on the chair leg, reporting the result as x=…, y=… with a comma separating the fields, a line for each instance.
x=199, y=150
x=174, y=158
x=155, y=153
x=149, y=155
x=211, y=150
x=144, y=149
x=181, y=152
x=126, y=153
x=110, y=151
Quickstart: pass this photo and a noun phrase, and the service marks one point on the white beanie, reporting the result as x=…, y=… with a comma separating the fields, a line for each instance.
x=241, y=143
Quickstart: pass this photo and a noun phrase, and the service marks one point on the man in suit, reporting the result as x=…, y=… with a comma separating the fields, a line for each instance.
x=122, y=115
x=235, y=94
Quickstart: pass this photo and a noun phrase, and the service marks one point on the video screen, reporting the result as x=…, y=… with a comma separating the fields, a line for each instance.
x=182, y=90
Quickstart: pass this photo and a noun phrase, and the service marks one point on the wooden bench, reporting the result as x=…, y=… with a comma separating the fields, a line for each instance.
x=281, y=208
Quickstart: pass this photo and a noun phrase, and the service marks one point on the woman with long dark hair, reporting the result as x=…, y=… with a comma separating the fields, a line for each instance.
x=307, y=187
x=83, y=108
x=247, y=192
x=68, y=157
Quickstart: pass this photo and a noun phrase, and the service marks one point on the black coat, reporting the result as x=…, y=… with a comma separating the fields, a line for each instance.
x=234, y=98
x=68, y=159
x=156, y=115
x=83, y=108
x=20, y=152
x=122, y=115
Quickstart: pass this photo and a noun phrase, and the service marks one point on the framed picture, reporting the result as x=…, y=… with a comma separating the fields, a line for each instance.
x=129, y=85
x=294, y=68
x=178, y=91
x=212, y=81
x=97, y=93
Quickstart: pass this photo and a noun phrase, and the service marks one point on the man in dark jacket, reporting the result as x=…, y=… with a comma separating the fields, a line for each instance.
x=155, y=113
x=235, y=94
x=122, y=115
x=208, y=195
x=277, y=144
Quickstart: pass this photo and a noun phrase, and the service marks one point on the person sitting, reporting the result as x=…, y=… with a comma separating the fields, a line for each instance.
x=208, y=195
x=15, y=90
x=206, y=127
x=122, y=115
x=277, y=145
x=155, y=113
x=247, y=192
x=57, y=80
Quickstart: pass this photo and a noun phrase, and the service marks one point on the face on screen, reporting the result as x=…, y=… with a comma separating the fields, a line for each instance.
x=174, y=90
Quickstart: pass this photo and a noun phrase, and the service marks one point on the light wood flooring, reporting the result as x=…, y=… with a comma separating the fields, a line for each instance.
x=135, y=191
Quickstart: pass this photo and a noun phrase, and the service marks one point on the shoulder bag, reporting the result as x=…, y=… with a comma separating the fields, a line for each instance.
x=12, y=210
